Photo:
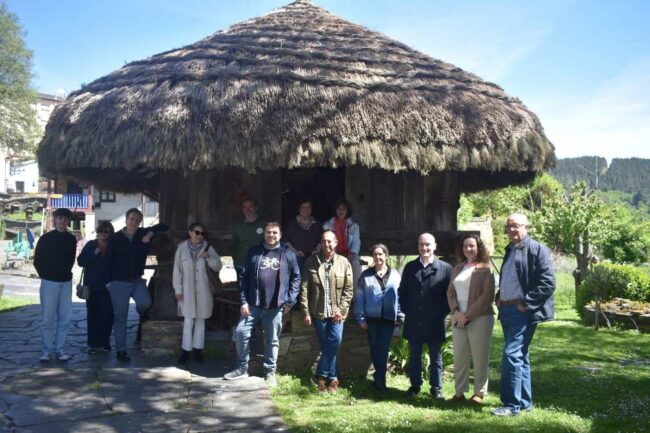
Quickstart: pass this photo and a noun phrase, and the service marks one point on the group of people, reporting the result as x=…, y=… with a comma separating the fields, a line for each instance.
x=430, y=289
x=275, y=276
x=317, y=267
x=113, y=266
x=313, y=266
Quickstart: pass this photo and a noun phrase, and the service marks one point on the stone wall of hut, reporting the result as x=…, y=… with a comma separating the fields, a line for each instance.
x=299, y=348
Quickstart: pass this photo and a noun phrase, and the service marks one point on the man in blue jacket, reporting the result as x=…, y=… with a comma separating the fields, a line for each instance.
x=525, y=298
x=268, y=287
x=423, y=300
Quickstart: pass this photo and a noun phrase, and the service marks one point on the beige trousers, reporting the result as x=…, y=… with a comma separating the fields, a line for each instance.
x=472, y=345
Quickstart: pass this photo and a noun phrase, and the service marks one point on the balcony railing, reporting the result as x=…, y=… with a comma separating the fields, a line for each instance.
x=70, y=201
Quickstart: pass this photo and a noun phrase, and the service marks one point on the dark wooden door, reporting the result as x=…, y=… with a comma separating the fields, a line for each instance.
x=321, y=185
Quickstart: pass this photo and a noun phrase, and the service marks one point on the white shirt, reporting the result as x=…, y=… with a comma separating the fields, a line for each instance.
x=461, y=284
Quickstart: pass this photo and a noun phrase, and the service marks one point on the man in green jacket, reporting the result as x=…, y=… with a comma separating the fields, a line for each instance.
x=246, y=234
x=326, y=294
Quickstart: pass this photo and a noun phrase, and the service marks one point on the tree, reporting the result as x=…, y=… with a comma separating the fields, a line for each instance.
x=574, y=224
x=629, y=241
x=19, y=129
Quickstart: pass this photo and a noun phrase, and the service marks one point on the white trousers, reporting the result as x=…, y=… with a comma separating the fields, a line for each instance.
x=472, y=346
x=193, y=334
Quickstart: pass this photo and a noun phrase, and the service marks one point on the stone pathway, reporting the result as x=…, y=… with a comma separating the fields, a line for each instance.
x=95, y=393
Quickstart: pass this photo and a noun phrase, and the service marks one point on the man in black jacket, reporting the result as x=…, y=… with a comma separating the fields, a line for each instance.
x=53, y=260
x=525, y=298
x=127, y=255
x=423, y=300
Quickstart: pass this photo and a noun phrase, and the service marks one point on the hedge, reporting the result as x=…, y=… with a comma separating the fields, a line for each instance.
x=613, y=281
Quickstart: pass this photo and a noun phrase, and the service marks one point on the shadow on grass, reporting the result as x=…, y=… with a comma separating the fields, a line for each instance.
x=600, y=376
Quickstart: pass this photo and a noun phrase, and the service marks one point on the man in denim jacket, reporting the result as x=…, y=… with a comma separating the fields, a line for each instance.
x=525, y=298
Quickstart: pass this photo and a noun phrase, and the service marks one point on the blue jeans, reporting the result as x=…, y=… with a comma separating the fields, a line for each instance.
x=435, y=363
x=516, y=388
x=380, y=334
x=56, y=306
x=121, y=292
x=271, y=324
x=330, y=335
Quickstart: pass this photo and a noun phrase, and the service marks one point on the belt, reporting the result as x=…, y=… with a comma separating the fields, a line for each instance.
x=511, y=302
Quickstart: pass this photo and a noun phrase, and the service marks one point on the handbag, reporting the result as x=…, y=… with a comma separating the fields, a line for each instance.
x=214, y=282
x=83, y=290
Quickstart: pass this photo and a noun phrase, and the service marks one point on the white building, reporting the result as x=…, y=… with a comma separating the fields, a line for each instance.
x=111, y=206
x=18, y=175
x=23, y=177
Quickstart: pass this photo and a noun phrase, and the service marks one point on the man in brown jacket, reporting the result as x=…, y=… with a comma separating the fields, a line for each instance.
x=325, y=297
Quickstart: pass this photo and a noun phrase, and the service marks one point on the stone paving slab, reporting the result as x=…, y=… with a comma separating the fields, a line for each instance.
x=158, y=399
x=96, y=393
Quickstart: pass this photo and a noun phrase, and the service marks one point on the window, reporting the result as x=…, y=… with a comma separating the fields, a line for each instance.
x=107, y=196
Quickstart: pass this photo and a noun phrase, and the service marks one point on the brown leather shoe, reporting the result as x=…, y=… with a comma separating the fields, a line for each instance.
x=457, y=399
x=476, y=399
x=320, y=383
x=333, y=386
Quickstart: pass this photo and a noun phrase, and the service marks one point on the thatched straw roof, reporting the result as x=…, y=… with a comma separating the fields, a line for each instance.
x=298, y=87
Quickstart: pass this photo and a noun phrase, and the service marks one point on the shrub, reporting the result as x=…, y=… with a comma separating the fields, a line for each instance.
x=398, y=355
x=501, y=239
x=613, y=281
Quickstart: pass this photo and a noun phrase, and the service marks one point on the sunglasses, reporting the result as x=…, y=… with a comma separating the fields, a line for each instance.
x=198, y=232
x=108, y=232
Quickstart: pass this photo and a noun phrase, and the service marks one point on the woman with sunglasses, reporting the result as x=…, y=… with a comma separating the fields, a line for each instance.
x=99, y=309
x=192, y=288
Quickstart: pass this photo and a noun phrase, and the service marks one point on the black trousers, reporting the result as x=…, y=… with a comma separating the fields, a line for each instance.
x=99, y=315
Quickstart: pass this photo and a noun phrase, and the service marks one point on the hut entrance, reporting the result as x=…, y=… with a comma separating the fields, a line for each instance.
x=324, y=186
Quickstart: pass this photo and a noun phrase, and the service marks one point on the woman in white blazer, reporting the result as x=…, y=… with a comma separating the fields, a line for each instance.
x=192, y=289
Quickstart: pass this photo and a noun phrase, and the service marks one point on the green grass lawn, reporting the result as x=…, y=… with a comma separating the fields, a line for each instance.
x=8, y=303
x=583, y=381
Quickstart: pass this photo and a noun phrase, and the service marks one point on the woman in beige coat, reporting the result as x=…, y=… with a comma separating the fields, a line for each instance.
x=470, y=296
x=192, y=288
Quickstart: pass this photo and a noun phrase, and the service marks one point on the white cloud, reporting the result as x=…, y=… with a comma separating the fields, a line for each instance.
x=613, y=120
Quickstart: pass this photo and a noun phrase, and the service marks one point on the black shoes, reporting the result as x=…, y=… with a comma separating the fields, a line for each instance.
x=122, y=356
x=198, y=356
x=412, y=391
x=185, y=356
x=436, y=393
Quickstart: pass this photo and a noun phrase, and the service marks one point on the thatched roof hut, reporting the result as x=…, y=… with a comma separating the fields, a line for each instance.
x=298, y=87
x=296, y=101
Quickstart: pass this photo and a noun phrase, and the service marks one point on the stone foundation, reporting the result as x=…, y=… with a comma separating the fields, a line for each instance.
x=299, y=348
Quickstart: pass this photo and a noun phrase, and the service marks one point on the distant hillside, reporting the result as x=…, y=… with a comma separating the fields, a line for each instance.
x=631, y=175
x=588, y=168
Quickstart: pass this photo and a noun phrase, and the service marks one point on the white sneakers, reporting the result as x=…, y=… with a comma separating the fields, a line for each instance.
x=61, y=356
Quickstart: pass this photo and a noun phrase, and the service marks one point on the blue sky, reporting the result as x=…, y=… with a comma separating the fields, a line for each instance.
x=582, y=65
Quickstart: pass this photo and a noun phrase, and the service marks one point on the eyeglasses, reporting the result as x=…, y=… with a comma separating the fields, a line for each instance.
x=514, y=226
x=198, y=232
x=99, y=232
